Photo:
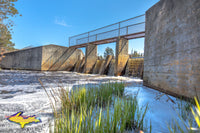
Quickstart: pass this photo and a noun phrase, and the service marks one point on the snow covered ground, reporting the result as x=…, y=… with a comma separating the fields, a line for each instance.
x=21, y=91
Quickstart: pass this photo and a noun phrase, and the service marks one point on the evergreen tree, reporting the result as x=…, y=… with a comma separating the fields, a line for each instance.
x=5, y=37
x=7, y=11
x=136, y=54
x=108, y=51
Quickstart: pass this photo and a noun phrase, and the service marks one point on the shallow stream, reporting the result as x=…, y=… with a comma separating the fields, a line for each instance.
x=21, y=91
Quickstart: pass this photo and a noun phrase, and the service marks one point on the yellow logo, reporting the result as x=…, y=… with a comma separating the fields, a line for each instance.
x=23, y=120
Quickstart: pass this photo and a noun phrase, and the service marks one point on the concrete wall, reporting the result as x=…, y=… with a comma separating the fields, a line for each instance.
x=134, y=67
x=60, y=58
x=172, y=47
x=29, y=59
x=102, y=66
x=50, y=57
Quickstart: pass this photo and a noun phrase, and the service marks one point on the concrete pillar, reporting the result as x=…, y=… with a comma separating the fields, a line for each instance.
x=105, y=66
x=121, y=56
x=90, y=57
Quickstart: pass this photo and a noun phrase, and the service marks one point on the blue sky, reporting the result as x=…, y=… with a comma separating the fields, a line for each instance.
x=46, y=22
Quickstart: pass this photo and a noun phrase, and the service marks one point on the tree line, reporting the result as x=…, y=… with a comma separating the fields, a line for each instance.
x=110, y=51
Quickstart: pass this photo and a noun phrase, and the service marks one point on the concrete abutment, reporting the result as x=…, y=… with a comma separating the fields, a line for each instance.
x=172, y=47
x=44, y=58
x=122, y=56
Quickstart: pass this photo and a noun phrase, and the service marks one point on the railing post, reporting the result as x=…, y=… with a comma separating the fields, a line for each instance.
x=69, y=41
x=126, y=30
x=88, y=36
x=119, y=30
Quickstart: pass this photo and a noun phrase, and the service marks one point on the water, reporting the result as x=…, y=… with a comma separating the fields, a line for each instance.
x=21, y=91
x=162, y=108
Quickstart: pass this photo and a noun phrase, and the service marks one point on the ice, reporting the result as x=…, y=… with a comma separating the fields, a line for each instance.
x=21, y=91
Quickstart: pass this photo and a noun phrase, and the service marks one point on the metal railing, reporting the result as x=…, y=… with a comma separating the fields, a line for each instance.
x=123, y=28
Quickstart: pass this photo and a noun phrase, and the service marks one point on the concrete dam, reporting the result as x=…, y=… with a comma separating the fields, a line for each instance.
x=59, y=58
x=171, y=61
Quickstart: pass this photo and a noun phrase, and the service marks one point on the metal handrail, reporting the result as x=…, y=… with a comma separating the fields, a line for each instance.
x=112, y=30
x=87, y=34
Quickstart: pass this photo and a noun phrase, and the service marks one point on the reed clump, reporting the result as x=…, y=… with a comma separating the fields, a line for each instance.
x=102, y=109
x=189, y=115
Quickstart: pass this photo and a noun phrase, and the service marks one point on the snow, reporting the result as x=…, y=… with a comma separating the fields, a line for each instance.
x=21, y=91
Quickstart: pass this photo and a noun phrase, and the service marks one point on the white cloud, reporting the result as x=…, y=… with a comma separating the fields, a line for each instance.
x=60, y=21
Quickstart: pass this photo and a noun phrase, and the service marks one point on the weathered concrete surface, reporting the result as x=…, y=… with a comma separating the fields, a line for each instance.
x=90, y=58
x=60, y=58
x=97, y=66
x=105, y=65
x=111, y=69
x=29, y=59
x=49, y=57
x=172, y=47
x=135, y=67
x=82, y=65
x=77, y=65
x=121, y=56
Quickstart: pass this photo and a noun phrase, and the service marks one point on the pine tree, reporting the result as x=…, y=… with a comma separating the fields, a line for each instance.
x=7, y=11
x=108, y=51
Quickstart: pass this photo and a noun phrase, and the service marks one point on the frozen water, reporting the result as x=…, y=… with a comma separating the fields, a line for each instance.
x=21, y=91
